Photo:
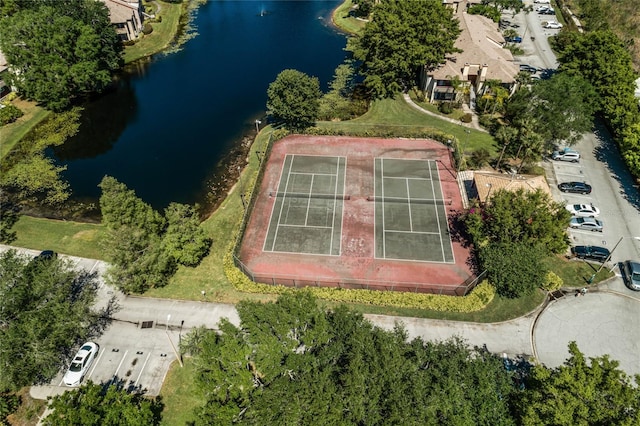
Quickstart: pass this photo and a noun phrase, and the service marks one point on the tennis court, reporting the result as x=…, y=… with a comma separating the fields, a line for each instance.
x=410, y=213
x=307, y=212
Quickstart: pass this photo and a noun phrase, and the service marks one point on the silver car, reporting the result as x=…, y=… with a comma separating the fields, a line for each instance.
x=586, y=223
x=632, y=275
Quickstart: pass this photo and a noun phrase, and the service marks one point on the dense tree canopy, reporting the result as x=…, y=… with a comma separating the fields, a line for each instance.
x=402, y=37
x=97, y=405
x=45, y=310
x=531, y=218
x=293, y=100
x=59, y=50
x=580, y=393
x=292, y=362
x=144, y=247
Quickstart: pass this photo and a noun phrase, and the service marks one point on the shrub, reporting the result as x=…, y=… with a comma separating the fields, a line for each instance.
x=552, y=282
x=9, y=114
x=445, y=108
x=487, y=121
x=147, y=28
x=466, y=118
x=479, y=158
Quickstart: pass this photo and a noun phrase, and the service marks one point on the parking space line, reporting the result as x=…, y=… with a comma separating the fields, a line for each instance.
x=582, y=231
x=142, y=369
x=95, y=364
x=118, y=369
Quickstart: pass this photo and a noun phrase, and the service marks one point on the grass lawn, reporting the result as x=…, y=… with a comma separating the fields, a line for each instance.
x=346, y=23
x=574, y=272
x=72, y=238
x=162, y=35
x=179, y=396
x=11, y=134
x=395, y=114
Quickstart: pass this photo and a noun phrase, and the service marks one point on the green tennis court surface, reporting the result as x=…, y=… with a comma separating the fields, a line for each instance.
x=410, y=212
x=307, y=213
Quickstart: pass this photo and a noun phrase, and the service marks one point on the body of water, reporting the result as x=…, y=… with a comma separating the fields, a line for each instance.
x=168, y=127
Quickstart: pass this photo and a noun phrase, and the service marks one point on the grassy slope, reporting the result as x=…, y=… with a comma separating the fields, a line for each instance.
x=11, y=134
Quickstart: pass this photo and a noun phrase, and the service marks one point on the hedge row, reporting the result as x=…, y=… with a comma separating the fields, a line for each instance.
x=383, y=131
x=477, y=300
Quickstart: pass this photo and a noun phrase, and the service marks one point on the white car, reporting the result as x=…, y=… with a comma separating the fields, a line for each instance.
x=553, y=25
x=80, y=364
x=542, y=1
x=583, y=210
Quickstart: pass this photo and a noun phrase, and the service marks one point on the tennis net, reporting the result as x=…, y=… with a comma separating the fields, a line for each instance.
x=402, y=200
x=311, y=195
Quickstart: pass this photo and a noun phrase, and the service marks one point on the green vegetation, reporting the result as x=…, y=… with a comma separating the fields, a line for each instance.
x=293, y=100
x=46, y=309
x=296, y=360
x=144, y=247
x=343, y=20
x=165, y=27
x=401, y=39
x=96, y=405
x=12, y=133
x=293, y=359
x=178, y=394
x=87, y=50
x=72, y=238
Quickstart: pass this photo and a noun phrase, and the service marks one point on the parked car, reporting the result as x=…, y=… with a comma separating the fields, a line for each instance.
x=575, y=187
x=553, y=25
x=583, y=210
x=586, y=223
x=542, y=8
x=542, y=1
x=631, y=271
x=528, y=68
x=80, y=364
x=566, y=154
x=549, y=11
x=591, y=252
x=516, y=39
x=46, y=255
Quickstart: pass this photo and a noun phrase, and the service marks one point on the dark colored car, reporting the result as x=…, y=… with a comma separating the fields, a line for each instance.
x=516, y=39
x=528, y=68
x=631, y=271
x=590, y=252
x=46, y=255
x=575, y=187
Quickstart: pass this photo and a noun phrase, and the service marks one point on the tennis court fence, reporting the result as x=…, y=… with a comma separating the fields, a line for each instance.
x=461, y=289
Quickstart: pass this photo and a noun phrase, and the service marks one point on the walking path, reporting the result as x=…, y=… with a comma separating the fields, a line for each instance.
x=475, y=124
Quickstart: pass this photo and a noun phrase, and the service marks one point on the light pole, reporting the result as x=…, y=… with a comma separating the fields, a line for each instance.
x=461, y=153
x=609, y=258
x=258, y=123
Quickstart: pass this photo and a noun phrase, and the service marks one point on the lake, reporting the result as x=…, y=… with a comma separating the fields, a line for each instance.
x=170, y=127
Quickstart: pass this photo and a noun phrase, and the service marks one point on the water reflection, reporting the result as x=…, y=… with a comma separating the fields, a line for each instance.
x=101, y=123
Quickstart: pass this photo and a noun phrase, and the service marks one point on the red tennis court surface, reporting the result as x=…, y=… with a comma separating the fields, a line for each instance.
x=355, y=265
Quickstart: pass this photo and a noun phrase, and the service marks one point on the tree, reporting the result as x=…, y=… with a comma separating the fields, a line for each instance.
x=580, y=393
x=60, y=50
x=519, y=216
x=566, y=105
x=293, y=100
x=145, y=248
x=45, y=310
x=94, y=404
x=293, y=362
x=514, y=269
x=402, y=38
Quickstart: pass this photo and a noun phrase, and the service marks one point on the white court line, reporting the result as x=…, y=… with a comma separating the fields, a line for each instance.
x=142, y=369
x=384, y=234
x=344, y=188
x=284, y=225
x=313, y=173
x=433, y=192
x=275, y=235
x=408, y=178
x=409, y=203
x=333, y=216
x=306, y=216
x=412, y=232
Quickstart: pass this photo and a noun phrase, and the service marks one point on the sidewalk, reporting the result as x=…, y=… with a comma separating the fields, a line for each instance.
x=475, y=124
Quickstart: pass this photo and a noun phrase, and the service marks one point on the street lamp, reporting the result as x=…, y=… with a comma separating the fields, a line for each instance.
x=608, y=258
x=240, y=187
x=258, y=123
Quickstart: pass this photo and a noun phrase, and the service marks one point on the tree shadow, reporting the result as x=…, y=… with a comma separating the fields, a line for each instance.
x=607, y=152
